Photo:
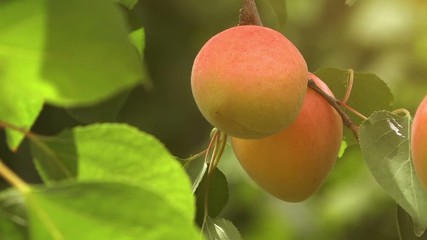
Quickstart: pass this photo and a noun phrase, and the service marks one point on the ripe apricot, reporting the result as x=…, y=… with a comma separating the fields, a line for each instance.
x=292, y=164
x=419, y=142
x=249, y=81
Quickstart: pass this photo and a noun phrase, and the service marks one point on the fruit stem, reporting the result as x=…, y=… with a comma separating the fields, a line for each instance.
x=333, y=102
x=249, y=14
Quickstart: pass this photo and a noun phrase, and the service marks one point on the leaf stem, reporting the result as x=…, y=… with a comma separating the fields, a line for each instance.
x=333, y=102
x=349, y=86
x=344, y=104
x=13, y=179
x=218, y=141
x=249, y=14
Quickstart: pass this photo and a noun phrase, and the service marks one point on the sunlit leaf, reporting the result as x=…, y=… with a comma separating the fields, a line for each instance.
x=114, y=152
x=67, y=53
x=104, y=211
x=137, y=38
x=384, y=141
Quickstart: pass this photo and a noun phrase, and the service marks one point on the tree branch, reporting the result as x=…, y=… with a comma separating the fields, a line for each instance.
x=332, y=101
x=249, y=14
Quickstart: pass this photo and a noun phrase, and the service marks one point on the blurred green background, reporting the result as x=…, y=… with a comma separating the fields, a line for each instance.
x=385, y=37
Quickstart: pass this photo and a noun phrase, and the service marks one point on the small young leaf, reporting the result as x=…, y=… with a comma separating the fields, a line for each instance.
x=221, y=229
x=104, y=211
x=137, y=38
x=405, y=226
x=217, y=195
x=384, y=141
x=114, y=152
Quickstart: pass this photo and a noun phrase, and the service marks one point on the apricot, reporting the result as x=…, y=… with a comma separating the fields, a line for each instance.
x=249, y=81
x=292, y=164
x=419, y=142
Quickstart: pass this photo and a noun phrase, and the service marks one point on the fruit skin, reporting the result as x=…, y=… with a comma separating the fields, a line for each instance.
x=249, y=81
x=292, y=164
x=419, y=142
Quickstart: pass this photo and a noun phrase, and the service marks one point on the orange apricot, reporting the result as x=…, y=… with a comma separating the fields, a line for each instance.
x=292, y=164
x=249, y=81
x=419, y=142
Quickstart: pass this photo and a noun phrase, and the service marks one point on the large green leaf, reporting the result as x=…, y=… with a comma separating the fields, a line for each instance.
x=69, y=53
x=385, y=145
x=114, y=152
x=105, y=211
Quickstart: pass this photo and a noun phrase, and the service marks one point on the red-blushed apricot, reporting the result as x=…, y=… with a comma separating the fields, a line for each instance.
x=249, y=81
x=292, y=164
x=419, y=142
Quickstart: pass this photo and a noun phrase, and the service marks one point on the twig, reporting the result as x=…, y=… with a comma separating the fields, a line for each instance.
x=332, y=101
x=249, y=14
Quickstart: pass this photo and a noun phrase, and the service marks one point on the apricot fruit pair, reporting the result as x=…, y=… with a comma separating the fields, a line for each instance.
x=419, y=142
x=249, y=81
x=292, y=164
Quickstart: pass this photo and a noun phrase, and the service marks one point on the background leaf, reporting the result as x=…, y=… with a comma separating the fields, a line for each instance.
x=105, y=211
x=115, y=152
x=128, y=3
x=217, y=195
x=369, y=93
x=384, y=141
x=275, y=13
x=350, y=3
x=68, y=53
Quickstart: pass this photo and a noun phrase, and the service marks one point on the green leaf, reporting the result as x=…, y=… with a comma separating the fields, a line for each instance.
x=104, y=211
x=369, y=93
x=405, y=226
x=217, y=191
x=384, y=141
x=13, y=219
x=69, y=53
x=137, y=38
x=221, y=229
x=114, y=152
